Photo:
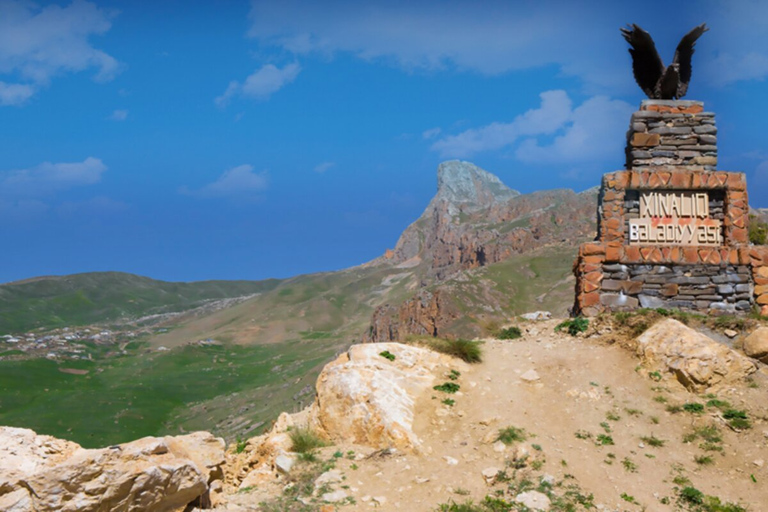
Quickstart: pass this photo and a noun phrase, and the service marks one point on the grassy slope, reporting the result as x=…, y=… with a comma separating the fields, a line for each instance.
x=99, y=297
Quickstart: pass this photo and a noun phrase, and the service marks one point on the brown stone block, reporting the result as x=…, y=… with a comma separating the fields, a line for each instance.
x=594, y=277
x=693, y=109
x=669, y=289
x=739, y=236
x=632, y=254
x=725, y=255
x=714, y=258
x=654, y=180
x=609, y=196
x=645, y=139
x=622, y=179
x=704, y=255
x=590, y=267
x=645, y=253
x=761, y=272
x=645, y=178
x=764, y=311
x=598, y=258
x=743, y=255
x=733, y=256
x=761, y=289
x=656, y=256
x=590, y=249
x=632, y=287
x=736, y=181
x=690, y=255
x=589, y=299
x=680, y=179
x=665, y=252
x=721, y=177
x=761, y=280
x=762, y=300
x=613, y=253
x=737, y=204
x=588, y=287
x=696, y=180
x=613, y=223
x=634, y=179
x=675, y=254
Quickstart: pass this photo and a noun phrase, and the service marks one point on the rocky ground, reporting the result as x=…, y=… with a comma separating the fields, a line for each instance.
x=600, y=428
x=548, y=421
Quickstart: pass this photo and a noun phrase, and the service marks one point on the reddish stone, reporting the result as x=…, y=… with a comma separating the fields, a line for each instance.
x=632, y=254
x=654, y=180
x=632, y=287
x=763, y=300
x=761, y=289
x=589, y=287
x=675, y=255
x=594, y=277
x=761, y=280
x=589, y=299
x=594, y=259
x=590, y=249
x=693, y=109
x=609, y=196
x=591, y=267
x=613, y=253
x=644, y=177
x=622, y=179
x=634, y=179
x=690, y=255
x=733, y=256
x=680, y=180
x=664, y=176
x=743, y=255
x=656, y=256
x=645, y=252
x=704, y=255
x=714, y=258
x=762, y=272
x=736, y=181
x=721, y=177
x=764, y=311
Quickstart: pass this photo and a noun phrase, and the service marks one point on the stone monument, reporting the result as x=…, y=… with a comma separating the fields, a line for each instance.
x=672, y=229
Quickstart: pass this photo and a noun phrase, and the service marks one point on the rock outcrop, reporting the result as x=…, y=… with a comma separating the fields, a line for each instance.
x=368, y=399
x=426, y=314
x=698, y=362
x=756, y=344
x=41, y=473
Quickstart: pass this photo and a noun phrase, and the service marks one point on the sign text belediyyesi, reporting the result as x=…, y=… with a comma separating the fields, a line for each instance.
x=675, y=218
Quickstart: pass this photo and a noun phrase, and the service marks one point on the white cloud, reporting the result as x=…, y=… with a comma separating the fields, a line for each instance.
x=431, y=133
x=119, y=115
x=321, y=168
x=261, y=84
x=498, y=37
x=238, y=181
x=48, y=178
x=595, y=130
x=15, y=94
x=38, y=43
x=554, y=112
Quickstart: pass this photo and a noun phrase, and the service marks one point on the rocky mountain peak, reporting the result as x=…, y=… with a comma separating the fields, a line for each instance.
x=465, y=184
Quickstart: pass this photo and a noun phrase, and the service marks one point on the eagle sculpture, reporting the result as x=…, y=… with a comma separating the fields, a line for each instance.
x=656, y=80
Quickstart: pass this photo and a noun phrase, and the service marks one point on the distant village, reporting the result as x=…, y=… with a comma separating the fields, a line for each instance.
x=68, y=343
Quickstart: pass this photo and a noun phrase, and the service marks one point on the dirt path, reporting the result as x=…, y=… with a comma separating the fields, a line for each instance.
x=585, y=387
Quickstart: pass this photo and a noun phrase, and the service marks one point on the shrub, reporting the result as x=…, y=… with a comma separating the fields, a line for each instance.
x=692, y=495
x=652, y=440
x=511, y=435
x=387, y=355
x=510, y=333
x=447, y=387
x=693, y=408
x=304, y=440
x=240, y=446
x=573, y=326
x=758, y=231
x=467, y=350
x=604, y=439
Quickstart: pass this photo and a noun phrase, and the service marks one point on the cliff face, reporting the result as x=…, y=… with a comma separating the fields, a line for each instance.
x=473, y=221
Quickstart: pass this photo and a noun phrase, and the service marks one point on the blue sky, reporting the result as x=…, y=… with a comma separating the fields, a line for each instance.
x=243, y=140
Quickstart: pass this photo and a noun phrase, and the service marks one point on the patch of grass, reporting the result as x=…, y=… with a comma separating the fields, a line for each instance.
x=573, y=326
x=719, y=404
x=629, y=465
x=703, y=460
x=450, y=402
x=633, y=412
x=674, y=409
x=510, y=333
x=661, y=399
x=240, y=446
x=606, y=427
x=737, y=419
x=654, y=420
x=693, y=408
x=654, y=441
x=612, y=416
x=466, y=350
x=629, y=499
x=604, y=440
x=447, y=387
x=655, y=376
x=387, y=355
x=454, y=375
x=511, y=435
x=583, y=434
x=304, y=440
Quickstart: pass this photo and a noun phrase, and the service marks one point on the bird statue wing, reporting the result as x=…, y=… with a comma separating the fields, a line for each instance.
x=683, y=56
x=646, y=63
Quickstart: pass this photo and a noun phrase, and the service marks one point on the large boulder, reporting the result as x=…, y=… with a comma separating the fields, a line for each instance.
x=41, y=473
x=756, y=344
x=368, y=399
x=698, y=362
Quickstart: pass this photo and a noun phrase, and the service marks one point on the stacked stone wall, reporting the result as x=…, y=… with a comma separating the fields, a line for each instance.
x=672, y=151
x=681, y=134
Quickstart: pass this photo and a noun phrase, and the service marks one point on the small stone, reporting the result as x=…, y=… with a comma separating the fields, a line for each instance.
x=730, y=333
x=450, y=460
x=421, y=480
x=534, y=500
x=530, y=376
x=379, y=500
x=499, y=447
x=335, y=496
x=759, y=462
x=489, y=474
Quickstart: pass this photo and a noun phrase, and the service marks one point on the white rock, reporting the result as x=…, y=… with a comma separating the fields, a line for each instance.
x=335, y=496
x=379, y=500
x=534, y=500
x=530, y=376
x=329, y=477
x=759, y=463
x=499, y=447
x=450, y=460
x=731, y=333
x=489, y=474
x=537, y=315
x=284, y=463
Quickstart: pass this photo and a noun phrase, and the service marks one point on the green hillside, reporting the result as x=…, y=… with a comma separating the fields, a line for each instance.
x=100, y=297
